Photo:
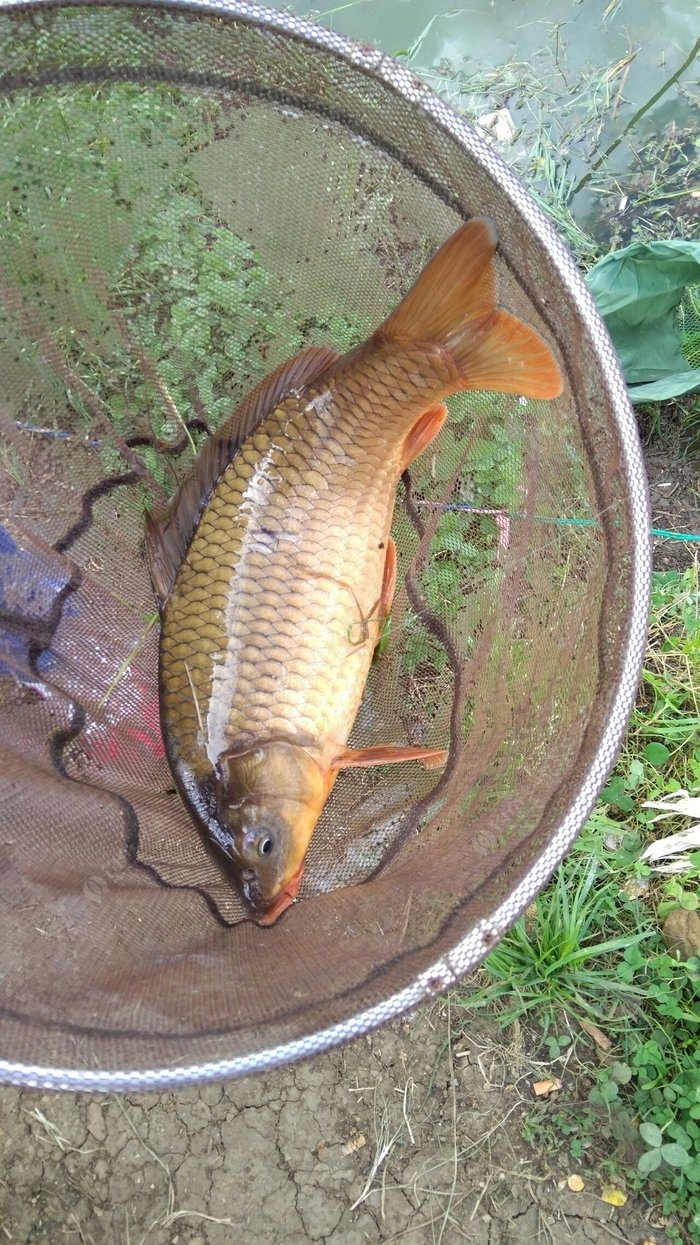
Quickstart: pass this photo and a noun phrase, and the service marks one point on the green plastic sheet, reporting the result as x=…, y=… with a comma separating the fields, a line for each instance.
x=645, y=295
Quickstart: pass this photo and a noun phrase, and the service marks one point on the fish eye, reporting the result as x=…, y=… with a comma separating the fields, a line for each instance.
x=265, y=844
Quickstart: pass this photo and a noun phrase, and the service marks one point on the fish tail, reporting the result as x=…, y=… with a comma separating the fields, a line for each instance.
x=453, y=306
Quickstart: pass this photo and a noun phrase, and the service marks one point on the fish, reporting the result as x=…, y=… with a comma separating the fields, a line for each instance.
x=274, y=567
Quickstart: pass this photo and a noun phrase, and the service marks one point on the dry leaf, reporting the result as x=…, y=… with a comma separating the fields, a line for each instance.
x=681, y=932
x=601, y=1041
x=356, y=1142
x=675, y=804
x=675, y=850
x=612, y=1195
x=547, y=1087
x=575, y=1183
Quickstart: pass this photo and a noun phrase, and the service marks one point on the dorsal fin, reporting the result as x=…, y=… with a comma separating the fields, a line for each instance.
x=168, y=534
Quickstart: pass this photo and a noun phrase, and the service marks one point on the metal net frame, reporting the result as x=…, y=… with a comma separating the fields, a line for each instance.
x=324, y=173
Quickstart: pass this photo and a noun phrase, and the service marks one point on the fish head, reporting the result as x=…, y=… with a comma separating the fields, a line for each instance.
x=270, y=798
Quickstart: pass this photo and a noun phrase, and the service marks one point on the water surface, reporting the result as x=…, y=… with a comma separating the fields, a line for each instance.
x=603, y=96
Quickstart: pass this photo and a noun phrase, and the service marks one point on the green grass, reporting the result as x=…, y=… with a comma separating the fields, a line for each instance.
x=587, y=969
x=562, y=957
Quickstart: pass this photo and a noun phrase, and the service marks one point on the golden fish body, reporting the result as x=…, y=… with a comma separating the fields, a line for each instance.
x=272, y=621
x=272, y=617
x=270, y=628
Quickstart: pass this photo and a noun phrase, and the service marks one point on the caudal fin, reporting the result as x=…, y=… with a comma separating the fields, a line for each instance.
x=453, y=305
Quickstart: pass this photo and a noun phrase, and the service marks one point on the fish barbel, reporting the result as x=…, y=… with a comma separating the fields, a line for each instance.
x=274, y=565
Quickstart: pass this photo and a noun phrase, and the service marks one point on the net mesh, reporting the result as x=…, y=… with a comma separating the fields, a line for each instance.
x=688, y=321
x=191, y=197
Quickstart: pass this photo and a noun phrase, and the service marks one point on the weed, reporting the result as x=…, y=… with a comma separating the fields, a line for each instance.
x=664, y=1090
x=661, y=753
x=564, y=956
x=13, y=464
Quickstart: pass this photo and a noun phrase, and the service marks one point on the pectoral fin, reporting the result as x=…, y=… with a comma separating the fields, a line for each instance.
x=361, y=758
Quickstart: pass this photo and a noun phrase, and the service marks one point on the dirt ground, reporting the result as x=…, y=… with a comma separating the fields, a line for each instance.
x=400, y=1136
x=674, y=489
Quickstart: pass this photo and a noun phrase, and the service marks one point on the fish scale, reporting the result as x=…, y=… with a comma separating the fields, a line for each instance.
x=207, y=651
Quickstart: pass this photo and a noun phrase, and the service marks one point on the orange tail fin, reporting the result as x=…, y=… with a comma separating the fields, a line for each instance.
x=453, y=305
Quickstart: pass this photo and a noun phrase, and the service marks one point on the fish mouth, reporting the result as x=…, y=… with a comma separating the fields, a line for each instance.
x=285, y=898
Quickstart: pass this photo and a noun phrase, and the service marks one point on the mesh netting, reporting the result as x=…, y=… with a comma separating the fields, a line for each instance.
x=192, y=195
x=688, y=321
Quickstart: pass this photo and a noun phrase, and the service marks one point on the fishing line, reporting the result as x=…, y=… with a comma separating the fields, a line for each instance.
x=659, y=532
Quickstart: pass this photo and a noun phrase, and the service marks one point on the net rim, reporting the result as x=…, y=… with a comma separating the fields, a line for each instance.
x=471, y=948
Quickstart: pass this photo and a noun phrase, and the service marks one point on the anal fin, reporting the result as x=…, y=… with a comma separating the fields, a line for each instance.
x=422, y=433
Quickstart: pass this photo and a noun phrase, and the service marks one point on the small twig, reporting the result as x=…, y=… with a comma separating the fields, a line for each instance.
x=197, y=1214
x=406, y=1089
x=56, y=1137
x=409, y=904
x=97, y=282
x=127, y=661
x=170, y=1195
x=482, y=1194
x=165, y=395
x=385, y=1145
